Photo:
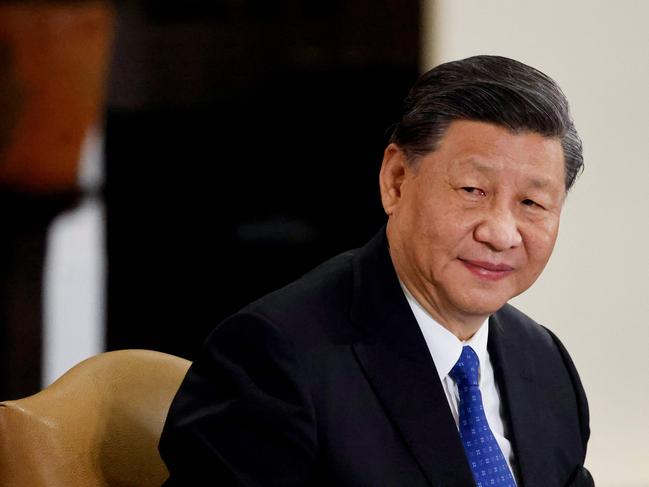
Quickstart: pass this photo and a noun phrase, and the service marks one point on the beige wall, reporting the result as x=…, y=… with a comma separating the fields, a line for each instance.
x=595, y=292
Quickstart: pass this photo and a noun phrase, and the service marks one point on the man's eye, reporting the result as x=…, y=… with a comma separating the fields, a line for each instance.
x=475, y=191
x=529, y=202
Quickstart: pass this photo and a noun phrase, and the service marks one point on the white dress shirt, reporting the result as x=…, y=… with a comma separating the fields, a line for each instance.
x=445, y=348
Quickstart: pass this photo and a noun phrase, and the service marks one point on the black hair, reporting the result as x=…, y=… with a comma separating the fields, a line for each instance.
x=491, y=89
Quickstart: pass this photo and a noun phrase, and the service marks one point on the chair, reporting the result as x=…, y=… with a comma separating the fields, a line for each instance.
x=98, y=425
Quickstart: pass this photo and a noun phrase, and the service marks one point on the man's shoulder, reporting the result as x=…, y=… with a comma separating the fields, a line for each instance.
x=309, y=312
x=328, y=283
x=319, y=305
x=316, y=309
x=542, y=355
x=522, y=328
x=513, y=328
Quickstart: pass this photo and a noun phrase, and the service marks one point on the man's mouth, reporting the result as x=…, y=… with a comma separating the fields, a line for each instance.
x=491, y=271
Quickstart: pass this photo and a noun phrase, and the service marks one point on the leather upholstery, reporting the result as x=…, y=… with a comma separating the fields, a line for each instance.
x=96, y=426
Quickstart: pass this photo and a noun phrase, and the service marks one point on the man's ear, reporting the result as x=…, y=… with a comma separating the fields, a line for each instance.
x=392, y=176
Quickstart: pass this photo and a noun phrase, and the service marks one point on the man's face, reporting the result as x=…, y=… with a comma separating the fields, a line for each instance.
x=473, y=223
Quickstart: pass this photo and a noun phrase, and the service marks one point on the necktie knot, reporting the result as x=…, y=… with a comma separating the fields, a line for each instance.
x=466, y=371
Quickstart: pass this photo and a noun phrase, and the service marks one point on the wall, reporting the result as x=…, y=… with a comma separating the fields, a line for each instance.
x=74, y=274
x=595, y=292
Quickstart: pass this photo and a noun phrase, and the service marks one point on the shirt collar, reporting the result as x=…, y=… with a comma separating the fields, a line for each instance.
x=444, y=346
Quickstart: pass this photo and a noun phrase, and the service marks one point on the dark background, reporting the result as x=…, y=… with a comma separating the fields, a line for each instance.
x=243, y=140
x=243, y=143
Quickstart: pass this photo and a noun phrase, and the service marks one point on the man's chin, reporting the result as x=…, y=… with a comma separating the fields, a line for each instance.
x=483, y=307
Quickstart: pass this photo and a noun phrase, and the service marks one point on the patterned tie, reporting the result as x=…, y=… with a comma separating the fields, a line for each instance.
x=485, y=457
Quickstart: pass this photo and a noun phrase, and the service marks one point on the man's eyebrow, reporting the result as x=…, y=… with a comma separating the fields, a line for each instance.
x=478, y=165
x=536, y=183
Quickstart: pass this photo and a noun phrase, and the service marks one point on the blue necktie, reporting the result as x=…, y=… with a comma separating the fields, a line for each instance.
x=487, y=461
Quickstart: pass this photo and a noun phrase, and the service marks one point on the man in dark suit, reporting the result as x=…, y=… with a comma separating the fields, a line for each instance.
x=401, y=363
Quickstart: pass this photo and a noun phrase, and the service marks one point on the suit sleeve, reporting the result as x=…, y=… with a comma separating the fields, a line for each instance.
x=580, y=394
x=243, y=415
x=581, y=477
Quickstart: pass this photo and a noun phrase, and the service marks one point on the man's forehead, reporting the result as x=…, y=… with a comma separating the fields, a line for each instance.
x=493, y=167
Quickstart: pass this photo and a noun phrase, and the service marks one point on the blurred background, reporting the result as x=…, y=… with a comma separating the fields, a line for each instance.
x=164, y=163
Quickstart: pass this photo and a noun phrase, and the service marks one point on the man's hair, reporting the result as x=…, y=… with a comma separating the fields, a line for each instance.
x=490, y=89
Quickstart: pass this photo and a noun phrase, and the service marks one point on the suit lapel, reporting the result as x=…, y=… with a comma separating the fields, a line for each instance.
x=397, y=363
x=515, y=375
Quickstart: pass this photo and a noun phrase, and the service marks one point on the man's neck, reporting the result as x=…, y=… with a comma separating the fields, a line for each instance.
x=463, y=326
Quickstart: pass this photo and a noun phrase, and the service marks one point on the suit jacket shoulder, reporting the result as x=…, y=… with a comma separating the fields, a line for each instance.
x=543, y=395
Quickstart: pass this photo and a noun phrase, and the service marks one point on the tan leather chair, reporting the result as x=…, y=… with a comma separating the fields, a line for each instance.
x=96, y=426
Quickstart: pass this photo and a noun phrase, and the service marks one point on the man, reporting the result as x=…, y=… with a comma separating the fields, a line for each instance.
x=401, y=363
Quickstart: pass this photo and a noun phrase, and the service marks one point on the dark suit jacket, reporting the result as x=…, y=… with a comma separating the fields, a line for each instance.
x=328, y=382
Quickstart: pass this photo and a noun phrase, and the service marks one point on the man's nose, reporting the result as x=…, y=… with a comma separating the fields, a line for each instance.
x=499, y=230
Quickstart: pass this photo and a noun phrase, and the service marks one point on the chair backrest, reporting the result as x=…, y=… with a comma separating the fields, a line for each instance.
x=98, y=425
